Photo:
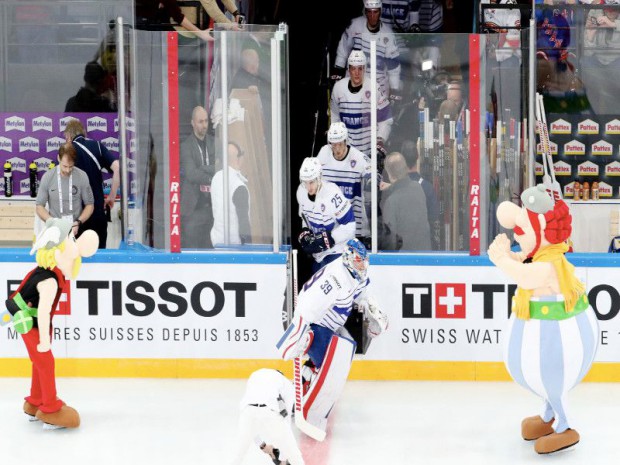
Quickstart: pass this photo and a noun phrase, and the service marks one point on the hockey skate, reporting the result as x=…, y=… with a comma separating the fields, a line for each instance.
x=31, y=411
x=66, y=417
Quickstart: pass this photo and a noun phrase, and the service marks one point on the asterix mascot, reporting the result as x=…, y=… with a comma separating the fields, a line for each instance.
x=553, y=332
x=32, y=306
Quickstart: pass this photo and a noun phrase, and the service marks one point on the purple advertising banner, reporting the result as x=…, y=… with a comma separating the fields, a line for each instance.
x=36, y=137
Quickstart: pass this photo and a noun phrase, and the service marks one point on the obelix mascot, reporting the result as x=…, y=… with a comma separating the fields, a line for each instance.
x=553, y=332
x=31, y=309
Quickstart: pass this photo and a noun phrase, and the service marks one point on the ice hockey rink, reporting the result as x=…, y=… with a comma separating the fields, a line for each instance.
x=171, y=421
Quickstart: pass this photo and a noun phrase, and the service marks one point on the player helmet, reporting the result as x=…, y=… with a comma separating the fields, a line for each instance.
x=337, y=133
x=310, y=169
x=355, y=258
x=357, y=58
x=372, y=4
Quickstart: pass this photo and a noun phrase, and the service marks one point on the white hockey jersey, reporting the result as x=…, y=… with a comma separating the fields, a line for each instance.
x=350, y=174
x=353, y=109
x=358, y=37
x=400, y=15
x=330, y=211
x=327, y=297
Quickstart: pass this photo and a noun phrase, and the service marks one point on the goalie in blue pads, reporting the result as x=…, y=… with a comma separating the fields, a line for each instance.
x=318, y=331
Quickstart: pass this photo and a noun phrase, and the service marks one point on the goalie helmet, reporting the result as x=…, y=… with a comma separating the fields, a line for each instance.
x=310, y=169
x=355, y=258
x=357, y=58
x=337, y=133
x=372, y=4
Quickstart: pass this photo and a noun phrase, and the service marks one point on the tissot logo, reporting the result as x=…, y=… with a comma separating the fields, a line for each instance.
x=450, y=300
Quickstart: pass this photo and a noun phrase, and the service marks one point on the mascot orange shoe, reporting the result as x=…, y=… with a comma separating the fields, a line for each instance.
x=553, y=332
x=32, y=307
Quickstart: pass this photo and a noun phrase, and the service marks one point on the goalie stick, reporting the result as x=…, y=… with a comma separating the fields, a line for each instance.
x=300, y=419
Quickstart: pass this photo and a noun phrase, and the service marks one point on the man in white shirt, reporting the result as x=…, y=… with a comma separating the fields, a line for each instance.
x=238, y=201
x=266, y=411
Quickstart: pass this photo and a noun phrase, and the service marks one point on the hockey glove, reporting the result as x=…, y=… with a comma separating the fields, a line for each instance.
x=304, y=236
x=338, y=73
x=316, y=243
x=377, y=320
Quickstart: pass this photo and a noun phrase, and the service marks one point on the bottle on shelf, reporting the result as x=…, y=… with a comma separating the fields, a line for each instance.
x=8, y=179
x=586, y=191
x=595, y=195
x=576, y=190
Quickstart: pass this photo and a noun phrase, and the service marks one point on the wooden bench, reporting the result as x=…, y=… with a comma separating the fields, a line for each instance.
x=16, y=223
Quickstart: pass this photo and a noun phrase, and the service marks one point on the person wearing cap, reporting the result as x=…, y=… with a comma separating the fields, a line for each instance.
x=553, y=331
x=88, y=98
x=32, y=307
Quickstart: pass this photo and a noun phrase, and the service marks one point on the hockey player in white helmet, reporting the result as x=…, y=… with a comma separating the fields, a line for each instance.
x=350, y=104
x=328, y=220
x=358, y=36
x=349, y=169
x=323, y=306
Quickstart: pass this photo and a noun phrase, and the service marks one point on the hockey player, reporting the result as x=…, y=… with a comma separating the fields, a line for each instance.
x=349, y=169
x=359, y=34
x=327, y=216
x=266, y=411
x=317, y=329
x=350, y=103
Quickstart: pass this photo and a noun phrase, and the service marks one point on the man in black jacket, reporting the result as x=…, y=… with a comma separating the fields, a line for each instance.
x=197, y=170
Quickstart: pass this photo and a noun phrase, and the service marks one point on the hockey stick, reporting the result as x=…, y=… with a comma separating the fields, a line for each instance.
x=300, y=420
x=549, y=180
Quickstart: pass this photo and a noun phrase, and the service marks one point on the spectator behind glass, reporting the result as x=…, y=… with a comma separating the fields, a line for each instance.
x=249, y=77
x=91, y=157
x=405, y=219
x=238, y=201
x=88, y=98
x=409, y=151
x=212, y=7
x=155, y=15
x=602, y=38
x=197, y=170
x=66, y=191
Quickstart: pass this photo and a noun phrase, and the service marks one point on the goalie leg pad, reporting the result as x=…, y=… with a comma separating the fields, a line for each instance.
x=296, y=340
x=327, y=385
